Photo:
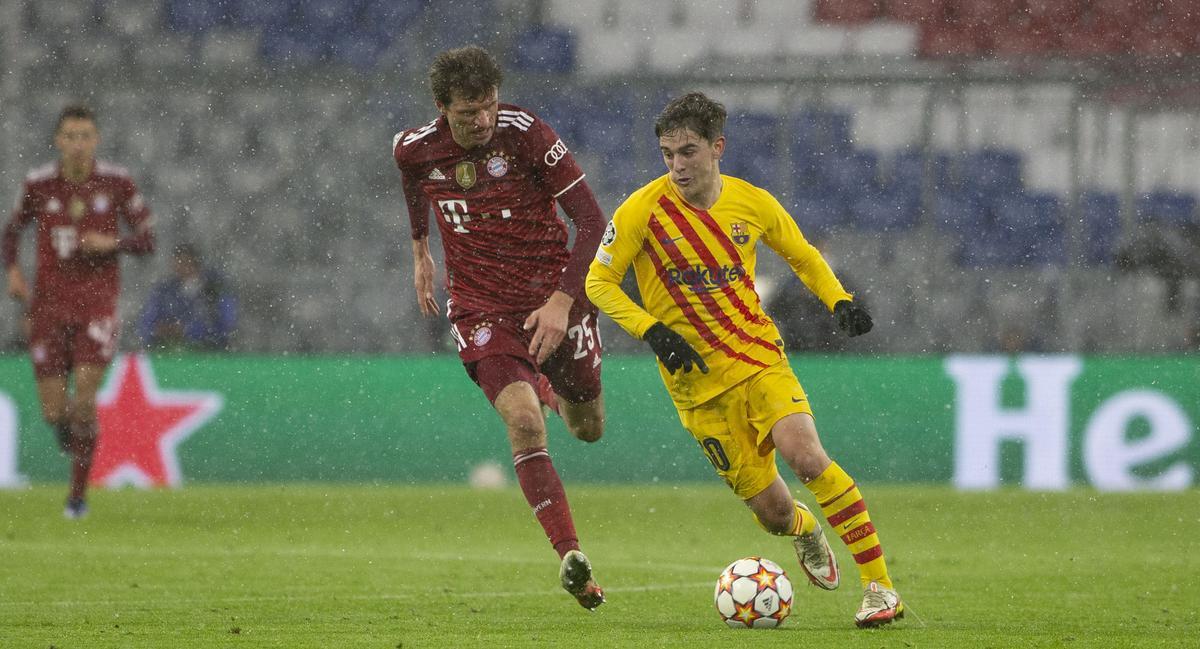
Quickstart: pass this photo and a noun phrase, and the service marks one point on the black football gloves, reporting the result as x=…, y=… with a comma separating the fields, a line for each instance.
x=852, y=318
x=672, y=349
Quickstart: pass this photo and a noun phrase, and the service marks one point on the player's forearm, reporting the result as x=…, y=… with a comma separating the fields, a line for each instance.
x=581, y=207
x=141, y=243
x=609, y=298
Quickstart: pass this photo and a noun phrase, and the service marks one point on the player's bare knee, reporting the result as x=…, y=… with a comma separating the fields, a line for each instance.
x=526, y=429
x=590, y=429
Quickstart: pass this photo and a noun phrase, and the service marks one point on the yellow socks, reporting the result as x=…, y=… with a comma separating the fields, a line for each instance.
x=846, y=512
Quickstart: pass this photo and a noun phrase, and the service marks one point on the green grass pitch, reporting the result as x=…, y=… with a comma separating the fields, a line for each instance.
x=446, y=566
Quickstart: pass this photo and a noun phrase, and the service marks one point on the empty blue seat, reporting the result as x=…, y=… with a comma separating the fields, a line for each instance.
x=268, y=15
x=292, y=47
x=195, y=16
x=815, y=131
x=885, y=211
x=544, y=49
x=1167, y=207
x=392, y=16
x=851, y=174
x=1030, y=227
x=908, y=170
x=959, y=213
x=990, y=171
x=322, y=17
x=817, y=215
x=1101, y=215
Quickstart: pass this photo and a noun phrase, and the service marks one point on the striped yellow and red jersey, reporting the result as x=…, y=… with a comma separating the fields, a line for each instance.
x=695, y=270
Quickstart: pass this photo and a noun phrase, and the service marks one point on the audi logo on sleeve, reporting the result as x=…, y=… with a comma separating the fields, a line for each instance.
x=555, y=153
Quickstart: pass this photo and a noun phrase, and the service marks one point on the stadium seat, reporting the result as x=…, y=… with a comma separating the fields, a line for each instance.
x=847, y=12
x=1101, y=215
x=1167, y=207
x=1061, y=12
x=984, y=15
x=817, y=41
x=194, y=16
x=851, y=174
x=292, y=47
x=1029, y=227
x=392, y=17
x=322, y=17
x=907, y=171
x=1022, y=36
x=890, y=212
x=819, y=215
x=819, y=132
x=267, y=15
x=915, y=11
x=880, y=38
x=991, y=171
x=544, y=49
x=949, y=40
x=962, y=215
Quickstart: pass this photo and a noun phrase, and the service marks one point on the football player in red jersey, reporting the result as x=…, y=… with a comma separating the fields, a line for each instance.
x=493, y=174
x=76, y=205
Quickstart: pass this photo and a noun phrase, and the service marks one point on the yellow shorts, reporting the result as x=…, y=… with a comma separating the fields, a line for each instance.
x=734, y=428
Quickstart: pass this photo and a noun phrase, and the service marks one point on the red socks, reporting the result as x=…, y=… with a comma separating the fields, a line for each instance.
x=544, y=492
x=81, y=445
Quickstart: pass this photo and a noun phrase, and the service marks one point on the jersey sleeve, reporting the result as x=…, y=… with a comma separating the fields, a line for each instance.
x=782, y=235
x=414, y=197
x=621, y=243
x=549, y=155
x=23, y=214
x=137, y=216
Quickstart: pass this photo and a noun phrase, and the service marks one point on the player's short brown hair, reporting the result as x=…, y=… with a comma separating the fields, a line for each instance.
x=75, y=111
x=695, y=111
x=469, y=71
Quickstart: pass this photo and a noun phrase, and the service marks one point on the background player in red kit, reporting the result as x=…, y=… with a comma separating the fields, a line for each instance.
x=76, y=205
x=493, y=173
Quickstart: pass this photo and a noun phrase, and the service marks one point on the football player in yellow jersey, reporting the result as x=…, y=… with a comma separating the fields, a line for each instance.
x=691, y=236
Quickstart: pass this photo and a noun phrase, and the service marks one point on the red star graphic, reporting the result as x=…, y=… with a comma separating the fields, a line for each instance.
x=140, y=426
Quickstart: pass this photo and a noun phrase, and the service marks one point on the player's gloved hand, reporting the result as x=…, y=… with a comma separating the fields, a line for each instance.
x=672, y=349
x=852, y=318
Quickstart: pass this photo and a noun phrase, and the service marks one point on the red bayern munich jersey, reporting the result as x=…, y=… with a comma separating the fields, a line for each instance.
x=495, y=207
x=68, y=280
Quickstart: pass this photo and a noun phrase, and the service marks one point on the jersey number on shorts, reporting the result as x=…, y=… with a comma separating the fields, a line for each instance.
x=584, y=336
x=715, y=453
x=64, y=239
x=456, y=213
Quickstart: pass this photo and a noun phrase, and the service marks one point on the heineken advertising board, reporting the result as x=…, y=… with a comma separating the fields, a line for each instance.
x=978, y=422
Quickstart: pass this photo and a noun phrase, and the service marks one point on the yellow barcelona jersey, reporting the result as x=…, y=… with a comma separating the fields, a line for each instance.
x=695, y=270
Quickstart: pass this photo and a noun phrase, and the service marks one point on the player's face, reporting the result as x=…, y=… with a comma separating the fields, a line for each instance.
x=76, y=140
x=693, y=162
x=472, y=121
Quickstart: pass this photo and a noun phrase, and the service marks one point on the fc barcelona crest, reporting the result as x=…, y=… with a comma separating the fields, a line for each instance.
x=464, y=173
x=738, y=233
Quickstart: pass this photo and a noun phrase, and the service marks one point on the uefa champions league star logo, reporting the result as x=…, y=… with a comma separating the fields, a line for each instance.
x=141, y=426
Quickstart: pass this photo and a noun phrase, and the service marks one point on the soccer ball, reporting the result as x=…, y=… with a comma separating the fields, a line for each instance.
x=753, y=593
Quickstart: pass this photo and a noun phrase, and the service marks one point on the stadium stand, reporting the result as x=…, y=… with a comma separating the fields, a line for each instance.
x=260, y=129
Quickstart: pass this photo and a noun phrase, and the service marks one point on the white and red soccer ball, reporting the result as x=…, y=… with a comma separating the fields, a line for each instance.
x=753, y=593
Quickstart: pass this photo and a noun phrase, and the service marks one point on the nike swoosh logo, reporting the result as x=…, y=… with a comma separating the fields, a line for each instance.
x=666, y=240
x=795, y=400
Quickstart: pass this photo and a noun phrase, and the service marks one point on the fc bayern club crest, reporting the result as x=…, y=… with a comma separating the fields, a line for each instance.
x=481, y=334
x=497, y=166
x=739, y=234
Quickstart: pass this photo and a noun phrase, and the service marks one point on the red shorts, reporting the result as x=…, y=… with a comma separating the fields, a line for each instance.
x=573, y=368
x=59, y=342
